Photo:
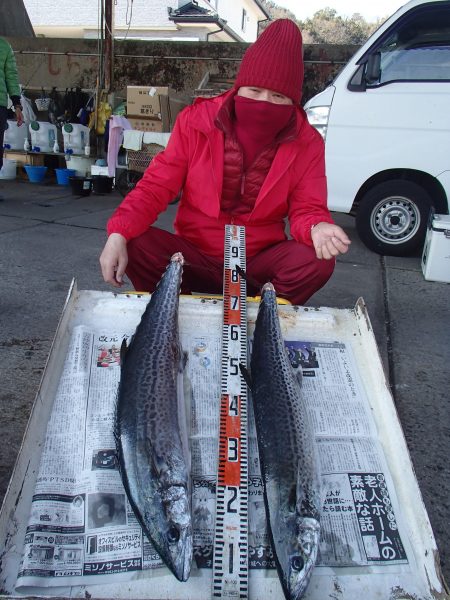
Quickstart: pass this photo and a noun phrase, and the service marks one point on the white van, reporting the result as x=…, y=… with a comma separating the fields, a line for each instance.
x=386, y=124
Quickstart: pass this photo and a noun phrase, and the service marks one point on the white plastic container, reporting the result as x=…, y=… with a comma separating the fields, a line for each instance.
x=436, y=250
x=9, y=169
x=76, y=138
x=43, y=136
x=14, y=138
x=82, y=164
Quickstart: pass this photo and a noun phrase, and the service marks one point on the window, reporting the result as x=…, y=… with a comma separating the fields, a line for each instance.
x=418, y=49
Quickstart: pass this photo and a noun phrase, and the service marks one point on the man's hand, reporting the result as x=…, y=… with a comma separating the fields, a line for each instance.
x=19, y=116
x=114, y=259
x=329, y=240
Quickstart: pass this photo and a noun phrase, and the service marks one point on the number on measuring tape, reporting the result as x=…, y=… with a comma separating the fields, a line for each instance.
x=235, y=331
x=233, y=407
x=230, y=565
x=233, y=447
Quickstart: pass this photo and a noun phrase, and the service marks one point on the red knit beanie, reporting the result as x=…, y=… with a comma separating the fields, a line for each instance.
x=275, y=61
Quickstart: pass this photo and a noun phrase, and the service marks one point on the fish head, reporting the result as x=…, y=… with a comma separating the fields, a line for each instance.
x=302, y=556
x=177, y=533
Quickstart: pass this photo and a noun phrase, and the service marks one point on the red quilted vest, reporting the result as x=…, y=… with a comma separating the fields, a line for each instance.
x=240, y=189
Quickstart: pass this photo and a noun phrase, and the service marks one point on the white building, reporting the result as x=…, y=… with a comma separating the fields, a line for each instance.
x=198, y=20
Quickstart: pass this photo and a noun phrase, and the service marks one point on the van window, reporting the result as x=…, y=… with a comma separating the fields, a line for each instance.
x=418, y=49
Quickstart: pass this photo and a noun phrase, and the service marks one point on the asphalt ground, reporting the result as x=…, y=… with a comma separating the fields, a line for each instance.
x=48, y=237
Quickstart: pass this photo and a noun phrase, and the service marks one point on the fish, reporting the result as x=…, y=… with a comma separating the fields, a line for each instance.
x=150, y=427
x=291, y=480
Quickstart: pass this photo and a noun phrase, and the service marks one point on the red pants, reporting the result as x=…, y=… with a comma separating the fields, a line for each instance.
x=292, y=268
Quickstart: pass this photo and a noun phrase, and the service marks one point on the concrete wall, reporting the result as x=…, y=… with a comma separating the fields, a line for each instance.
x=65, y=63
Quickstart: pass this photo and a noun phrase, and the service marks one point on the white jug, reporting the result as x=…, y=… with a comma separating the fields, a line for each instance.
x=14, y=138
x=76, y=138
x=43, y=136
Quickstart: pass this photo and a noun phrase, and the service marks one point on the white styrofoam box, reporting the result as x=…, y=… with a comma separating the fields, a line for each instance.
x=436, y=250
x=97, y=170
x=82, y=164
x=201, y=320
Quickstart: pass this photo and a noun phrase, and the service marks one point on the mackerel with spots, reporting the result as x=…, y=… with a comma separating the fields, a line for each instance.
x=150, y=427
x=286, y=451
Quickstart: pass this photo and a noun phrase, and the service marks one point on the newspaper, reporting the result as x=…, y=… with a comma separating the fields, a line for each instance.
x=82, y=529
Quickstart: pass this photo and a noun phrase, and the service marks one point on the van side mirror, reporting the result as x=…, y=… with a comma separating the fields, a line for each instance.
x=373, y=68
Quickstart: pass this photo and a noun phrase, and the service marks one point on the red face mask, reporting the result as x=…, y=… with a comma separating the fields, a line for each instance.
x=257, y=124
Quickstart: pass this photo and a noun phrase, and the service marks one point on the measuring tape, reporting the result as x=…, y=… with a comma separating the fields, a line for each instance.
x=230, y=567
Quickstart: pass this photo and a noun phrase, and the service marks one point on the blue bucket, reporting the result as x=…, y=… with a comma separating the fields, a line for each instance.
x=35, y=174
x=62, y=175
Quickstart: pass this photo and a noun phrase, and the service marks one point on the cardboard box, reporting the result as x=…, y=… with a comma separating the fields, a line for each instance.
x=436, y=250
x=24, y=158
x=142, y=124
x=161, y=103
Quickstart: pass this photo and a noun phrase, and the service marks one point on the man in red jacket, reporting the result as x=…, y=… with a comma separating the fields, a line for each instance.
x=248, y=157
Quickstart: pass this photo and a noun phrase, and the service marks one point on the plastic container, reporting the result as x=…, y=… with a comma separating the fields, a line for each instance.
x=35, y=174
x=15, y=136
x=43, y=136
x=436, y=250
x=81, y=164
x=76, y=138
x=81, y=186
x=62, y=175
x=9, y=169
x=102, y=184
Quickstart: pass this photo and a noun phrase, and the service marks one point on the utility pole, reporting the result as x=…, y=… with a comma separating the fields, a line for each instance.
x=109, y=44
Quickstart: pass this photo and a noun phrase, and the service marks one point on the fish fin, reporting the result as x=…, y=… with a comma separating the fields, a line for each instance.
x=123, y=351
x=153, y=460
x=292, y=501
x=298, y=373
x=296, y=367
x=241, y=272
x=247, y=278
x=246, y=375
x=116, y=429
x=184, y=360
x=184, y=397
x=307, y=495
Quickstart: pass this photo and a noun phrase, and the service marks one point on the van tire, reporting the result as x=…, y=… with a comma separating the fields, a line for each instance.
x=392, y=217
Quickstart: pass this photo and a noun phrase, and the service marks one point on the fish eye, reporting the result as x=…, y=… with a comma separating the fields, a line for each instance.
x=173, y=535
x=297, y=563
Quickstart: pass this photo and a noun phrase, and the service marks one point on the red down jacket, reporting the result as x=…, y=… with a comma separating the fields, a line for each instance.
x=295, y=186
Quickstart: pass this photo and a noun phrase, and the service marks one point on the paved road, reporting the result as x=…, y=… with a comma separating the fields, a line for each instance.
x=48, y=236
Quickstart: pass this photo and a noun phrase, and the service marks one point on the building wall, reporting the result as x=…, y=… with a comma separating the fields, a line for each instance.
x=63, y=63
x=232, y=13
x=149, y=19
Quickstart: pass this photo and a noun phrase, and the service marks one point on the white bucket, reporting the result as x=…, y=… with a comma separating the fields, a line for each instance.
x=81, y=164
x=15, y=136
x=76, y=138
x=43, y=136
x=9, y=169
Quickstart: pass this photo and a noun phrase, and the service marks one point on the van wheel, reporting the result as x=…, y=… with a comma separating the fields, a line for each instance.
x=392, y=217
